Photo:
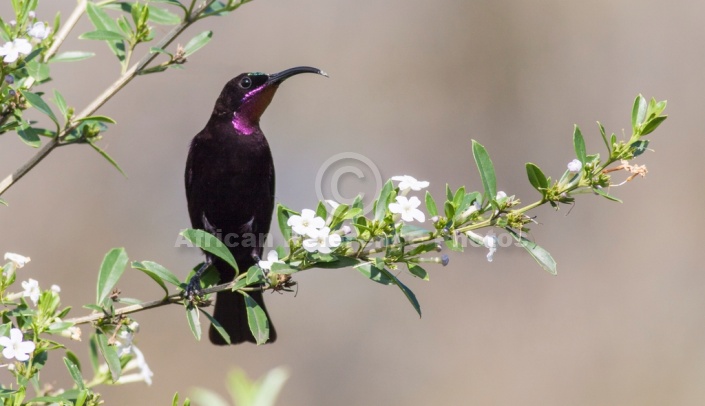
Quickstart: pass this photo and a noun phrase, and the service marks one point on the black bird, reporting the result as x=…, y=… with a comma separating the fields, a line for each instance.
x=230, y=189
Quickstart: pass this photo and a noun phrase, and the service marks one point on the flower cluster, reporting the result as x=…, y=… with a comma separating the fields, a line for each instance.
x=319, y=236
x=22, y=45
x=408, y=208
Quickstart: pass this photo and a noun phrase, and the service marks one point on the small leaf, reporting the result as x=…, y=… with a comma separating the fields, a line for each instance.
x=36, y=101
x=539, y=254
x=61, y=103
x=257, y=319
x=254, y=275
x=217, y=326
x=604, y=137
x=158, y=273
x=161, y=16
x=383, y=201
x=417, y=271
x=107, y=157
x=29, y=136
x=431, y=205
x=374, y=273
x=536, y=177
x=579, y=145
x=110, y=354
x=39, y=71
x=640, y=147
x=75, y=373
x=283, y=214
x=110, y=271
x=209, y=243
x=194, y=321
x=321, y=210
x=101, y=119
x=197, y=42
x=71, y=56
x=103, y=35
x=407, y=292
x=638, y=112
x=486, y=169
x=606, y=195
x=653, y=124
x=103, y=22
x=285, y=269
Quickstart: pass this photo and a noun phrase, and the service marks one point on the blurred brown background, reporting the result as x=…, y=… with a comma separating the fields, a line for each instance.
x=411, y=82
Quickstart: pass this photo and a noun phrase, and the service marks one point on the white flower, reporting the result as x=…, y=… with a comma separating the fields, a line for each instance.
x=12, y=50
x=272, y=257
x=322, y=241
x=144, y=375
x=55, y=288
x=307, y=223
x=409, y=182
x=15, y=347
x=408, y=209
x=500, y=195
x=123, y=342
x=575, y=166
x=32, y=14
x=73, y=333
x=31, y=290
x=39, y=31
x=17, y=259
x=490, y=241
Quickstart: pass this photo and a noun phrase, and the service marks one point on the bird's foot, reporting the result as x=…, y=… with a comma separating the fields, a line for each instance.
x=193, y=288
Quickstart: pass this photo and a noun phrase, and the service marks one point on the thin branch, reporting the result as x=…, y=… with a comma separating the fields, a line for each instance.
x=60, y=37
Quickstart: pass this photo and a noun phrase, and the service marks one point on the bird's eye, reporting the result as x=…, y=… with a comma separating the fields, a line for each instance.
x=246, y=82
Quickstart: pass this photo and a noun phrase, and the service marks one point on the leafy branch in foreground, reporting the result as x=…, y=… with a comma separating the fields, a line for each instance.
x=31, y=45
x=389, y=238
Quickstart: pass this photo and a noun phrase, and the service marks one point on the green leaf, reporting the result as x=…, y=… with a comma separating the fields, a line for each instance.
x=73, y=358
x=373, y=273
x=102, y=35
x=417, y=271
x=640, y=147
x=102, y=22
x=110, y=272
x=155, y=50
x=653, y=124
x=337, y=263
x=431, y=205
x=638, y=112
x=194, y=322
x=257, y=319
x=606, y=195
x=36, y=101
x=536, y=177
x=71, y=56
x=283, y=214
x=254, y=275
x=39, y=71
x=158, y=273
x=579, y=145
x=407, y=292
x=486, y=169
x=101, y=119
x=110, y=354
x=209, y=243
x=75, y=373
x=217, y=326
x=285, y=269
x=162, y=16
x=107, y=157
x=321, y=210
x=604, y=137
x=539, y=254
x=197, y=42
x=61, y=103
x=29, y=136
x=383, y=201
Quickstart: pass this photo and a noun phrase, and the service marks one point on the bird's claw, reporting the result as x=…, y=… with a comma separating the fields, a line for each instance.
x=193, y=289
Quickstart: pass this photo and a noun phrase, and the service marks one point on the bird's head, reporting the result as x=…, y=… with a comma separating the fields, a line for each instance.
x=245, y=97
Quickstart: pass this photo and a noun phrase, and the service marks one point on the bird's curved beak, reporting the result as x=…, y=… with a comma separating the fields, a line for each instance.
x=277, y=78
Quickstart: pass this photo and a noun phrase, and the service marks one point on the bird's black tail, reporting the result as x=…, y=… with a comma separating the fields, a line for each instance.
x=231, y=313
